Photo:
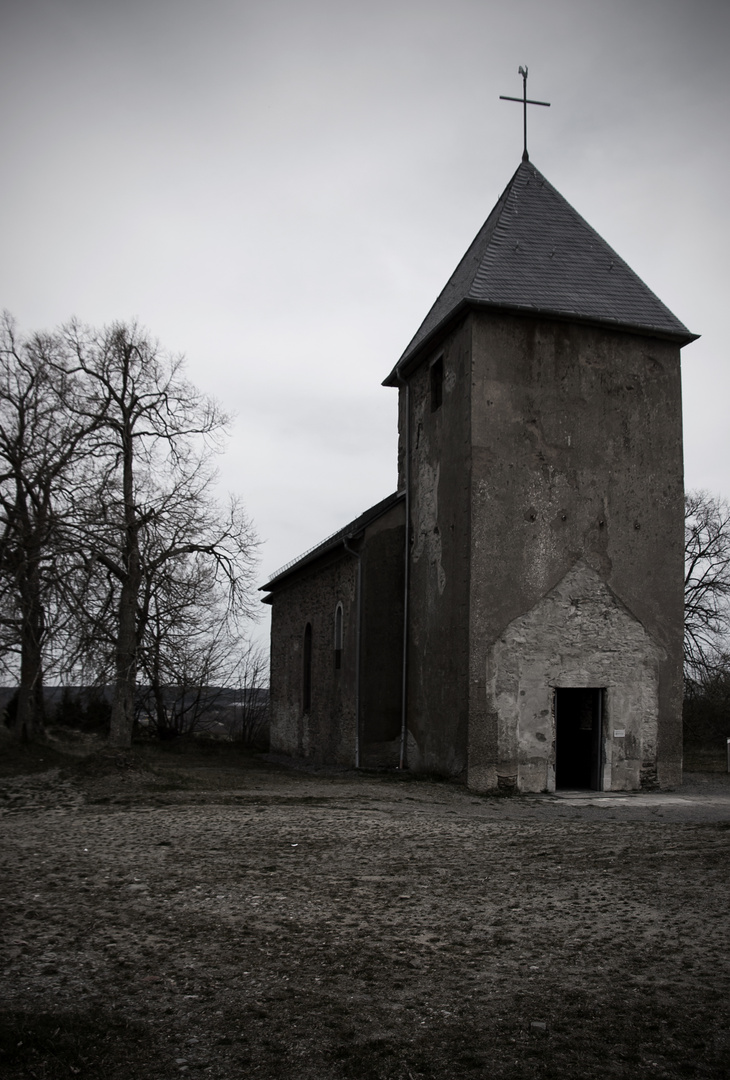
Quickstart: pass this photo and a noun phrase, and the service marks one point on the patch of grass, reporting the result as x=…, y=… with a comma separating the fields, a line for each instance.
x=20, y=759
x=222, y=751
x=105, y=761
x=59, y=1046
x=498, y=793
x=408, y=776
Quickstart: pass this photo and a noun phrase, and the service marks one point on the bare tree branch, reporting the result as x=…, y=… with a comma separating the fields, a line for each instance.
x=41, y=438
x=706, y=582
x=145, y=507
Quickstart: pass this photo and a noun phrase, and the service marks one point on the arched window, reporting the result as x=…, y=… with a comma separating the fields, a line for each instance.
x=307, y=670
x=338, y=637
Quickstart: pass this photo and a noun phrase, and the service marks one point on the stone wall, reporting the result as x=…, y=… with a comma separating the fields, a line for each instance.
x=355, y=706
x=326, y=733
x=576, y=456
x=579, y=635
x=438, y=655
x=381, y=656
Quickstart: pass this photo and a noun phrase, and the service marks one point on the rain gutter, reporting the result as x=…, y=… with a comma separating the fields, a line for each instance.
x=407, y=572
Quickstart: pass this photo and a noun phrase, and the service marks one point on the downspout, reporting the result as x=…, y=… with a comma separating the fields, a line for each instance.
x=407, y=573
x=358, y=623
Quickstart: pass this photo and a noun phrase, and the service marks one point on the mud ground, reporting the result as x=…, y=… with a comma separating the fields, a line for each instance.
x=169, y=914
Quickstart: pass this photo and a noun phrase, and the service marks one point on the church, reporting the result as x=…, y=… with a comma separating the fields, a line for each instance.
x=512, y=615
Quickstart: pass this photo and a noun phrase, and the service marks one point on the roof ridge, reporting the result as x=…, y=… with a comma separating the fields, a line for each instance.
x=462, y=279
x=536, y=253
x=347, y=531
x=604, y=244
x=509, y=194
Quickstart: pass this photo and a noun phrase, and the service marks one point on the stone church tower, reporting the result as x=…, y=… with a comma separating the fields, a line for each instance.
x=525, y=630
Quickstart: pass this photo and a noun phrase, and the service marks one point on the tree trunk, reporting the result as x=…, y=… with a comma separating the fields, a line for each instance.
x=159, y=697
x=122, y=719
x=29, y=720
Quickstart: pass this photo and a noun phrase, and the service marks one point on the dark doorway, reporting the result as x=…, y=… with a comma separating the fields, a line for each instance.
x=578, y=740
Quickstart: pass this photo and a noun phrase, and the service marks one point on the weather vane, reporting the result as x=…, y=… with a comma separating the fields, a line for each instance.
x=525, y=102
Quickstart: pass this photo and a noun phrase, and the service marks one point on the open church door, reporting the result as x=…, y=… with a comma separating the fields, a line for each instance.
x=578, y=742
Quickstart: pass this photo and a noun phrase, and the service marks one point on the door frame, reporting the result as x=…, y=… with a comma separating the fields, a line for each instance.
x=596, y=751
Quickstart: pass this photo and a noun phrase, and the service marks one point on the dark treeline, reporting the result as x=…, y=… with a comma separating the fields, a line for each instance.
x=239, y=713
x=117, y=563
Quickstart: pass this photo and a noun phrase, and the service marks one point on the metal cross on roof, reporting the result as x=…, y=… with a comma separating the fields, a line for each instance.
x=525, y=102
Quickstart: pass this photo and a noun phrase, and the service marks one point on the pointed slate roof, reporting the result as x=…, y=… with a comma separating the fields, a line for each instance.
x=351, y=531
x=536, y=254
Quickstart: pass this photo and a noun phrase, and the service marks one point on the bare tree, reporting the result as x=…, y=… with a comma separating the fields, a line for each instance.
x=149, y=503
x=40, y=443
x=252, y=706
x=706, y=584
x=190, y=644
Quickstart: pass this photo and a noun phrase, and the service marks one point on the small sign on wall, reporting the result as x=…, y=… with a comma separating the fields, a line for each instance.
x=619, y=733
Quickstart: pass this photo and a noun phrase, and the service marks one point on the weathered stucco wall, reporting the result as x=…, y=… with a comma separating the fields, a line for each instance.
x=381, y=659
x=576, y=455
x=546, y=550
x=326, y=733
x=439, y=593
x=579, y=635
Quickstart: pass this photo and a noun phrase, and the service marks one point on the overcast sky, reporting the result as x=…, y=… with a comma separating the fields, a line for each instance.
x=280, y=188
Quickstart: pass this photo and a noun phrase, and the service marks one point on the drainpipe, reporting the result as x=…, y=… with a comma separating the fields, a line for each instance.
x=358, y=617
x=407, y=573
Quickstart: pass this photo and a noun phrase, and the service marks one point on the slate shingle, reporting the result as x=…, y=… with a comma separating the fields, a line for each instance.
x=351, y=531
x=536, y=254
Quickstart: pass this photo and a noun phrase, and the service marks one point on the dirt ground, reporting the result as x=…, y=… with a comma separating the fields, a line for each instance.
x=168, y=914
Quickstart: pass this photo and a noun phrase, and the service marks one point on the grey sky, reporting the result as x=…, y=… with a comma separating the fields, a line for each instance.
x=279, y=190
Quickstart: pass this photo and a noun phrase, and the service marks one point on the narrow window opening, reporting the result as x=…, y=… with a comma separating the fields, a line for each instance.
x=307, y=670
x=437, y=383
x=338, y=637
